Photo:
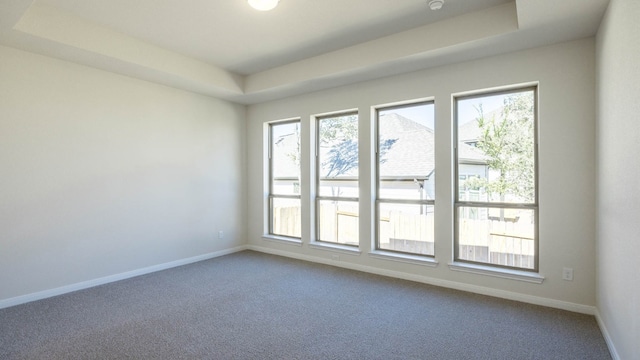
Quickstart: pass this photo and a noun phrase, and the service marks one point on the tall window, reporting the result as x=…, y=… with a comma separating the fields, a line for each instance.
x=284, y=179
x=405, y=178
x=337, y=179
x=496, y=207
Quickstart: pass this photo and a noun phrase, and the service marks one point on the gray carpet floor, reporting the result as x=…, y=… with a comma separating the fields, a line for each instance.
x=250, y=305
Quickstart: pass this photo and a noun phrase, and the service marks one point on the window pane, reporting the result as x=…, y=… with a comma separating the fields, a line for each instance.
x=338, y=222
x=339, y=188
x=338, y=156
x=284, y=212
x=500, y=236
x=496, y=146
x=406, y=160
x=285, y=163
x=406, y=228
x=286, y=217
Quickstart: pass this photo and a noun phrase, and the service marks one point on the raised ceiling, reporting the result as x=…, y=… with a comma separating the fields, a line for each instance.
x=226, y=49
x=233, y=36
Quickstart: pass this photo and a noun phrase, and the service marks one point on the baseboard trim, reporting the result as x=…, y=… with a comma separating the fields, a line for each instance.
x=112, y=278
x=530, y=299
x=607, y=337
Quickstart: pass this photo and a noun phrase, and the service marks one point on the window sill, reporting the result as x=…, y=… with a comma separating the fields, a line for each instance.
x=405, y=258
x=497, y=272
x=335, y=248
x=282, y=239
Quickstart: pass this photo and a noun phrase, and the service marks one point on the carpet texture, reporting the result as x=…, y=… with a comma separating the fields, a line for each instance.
x=250, y=305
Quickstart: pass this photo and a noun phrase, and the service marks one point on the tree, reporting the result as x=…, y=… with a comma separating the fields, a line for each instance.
x=508, y=142
x=295, y=155
x=340, y=134
x=344, y=156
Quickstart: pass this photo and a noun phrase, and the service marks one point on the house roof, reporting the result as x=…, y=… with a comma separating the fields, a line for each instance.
x=469, y=132
x=412, y=153
x=410, y=156
x=470, y=154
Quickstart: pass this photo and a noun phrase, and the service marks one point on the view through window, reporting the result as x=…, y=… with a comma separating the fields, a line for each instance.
x=406, y=178
x=284, y=183
x=337, y=179
x=496, y=206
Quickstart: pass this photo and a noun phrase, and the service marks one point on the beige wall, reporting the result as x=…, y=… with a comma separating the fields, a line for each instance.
x=566, y=76
x=618, y=177
x=103, y=174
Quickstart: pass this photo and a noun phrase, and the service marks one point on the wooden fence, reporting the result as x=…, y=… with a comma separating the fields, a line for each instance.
x=490, y=241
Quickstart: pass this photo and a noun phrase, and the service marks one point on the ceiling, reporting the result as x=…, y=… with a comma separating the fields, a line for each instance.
x=224, y=48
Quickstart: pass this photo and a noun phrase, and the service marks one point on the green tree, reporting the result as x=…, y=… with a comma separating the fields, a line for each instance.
x=341, y=134
x=507, y=139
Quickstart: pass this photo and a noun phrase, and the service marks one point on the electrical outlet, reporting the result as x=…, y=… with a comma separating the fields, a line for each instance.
x=220, y=234
x=567, y=274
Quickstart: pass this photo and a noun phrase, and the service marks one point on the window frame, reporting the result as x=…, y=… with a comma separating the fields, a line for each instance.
x=378, y=201
x=271, y=194
x=319, y=198
x=457, y=203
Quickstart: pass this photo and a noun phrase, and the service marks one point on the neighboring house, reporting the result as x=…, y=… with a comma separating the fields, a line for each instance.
x=408, y=164
x=410, y=161
x=473, y=162
x=410, y=158
x=413, y=139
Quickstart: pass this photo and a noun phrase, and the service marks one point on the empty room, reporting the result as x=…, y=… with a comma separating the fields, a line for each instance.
x=336, y=179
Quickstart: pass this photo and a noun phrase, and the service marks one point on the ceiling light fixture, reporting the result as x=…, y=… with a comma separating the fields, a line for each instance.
x=263, y=5
x=436, y=4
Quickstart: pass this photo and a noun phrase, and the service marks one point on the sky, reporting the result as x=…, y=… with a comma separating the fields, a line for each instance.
x=467, y=108
x=424, y=113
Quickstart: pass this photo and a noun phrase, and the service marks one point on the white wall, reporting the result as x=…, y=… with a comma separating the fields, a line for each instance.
x=618, y=176
x=566, y=76
x=103, y=174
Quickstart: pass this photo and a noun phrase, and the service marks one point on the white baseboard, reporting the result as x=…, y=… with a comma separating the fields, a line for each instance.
x=112, y=278
x=607, y=337
x=530, y=299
